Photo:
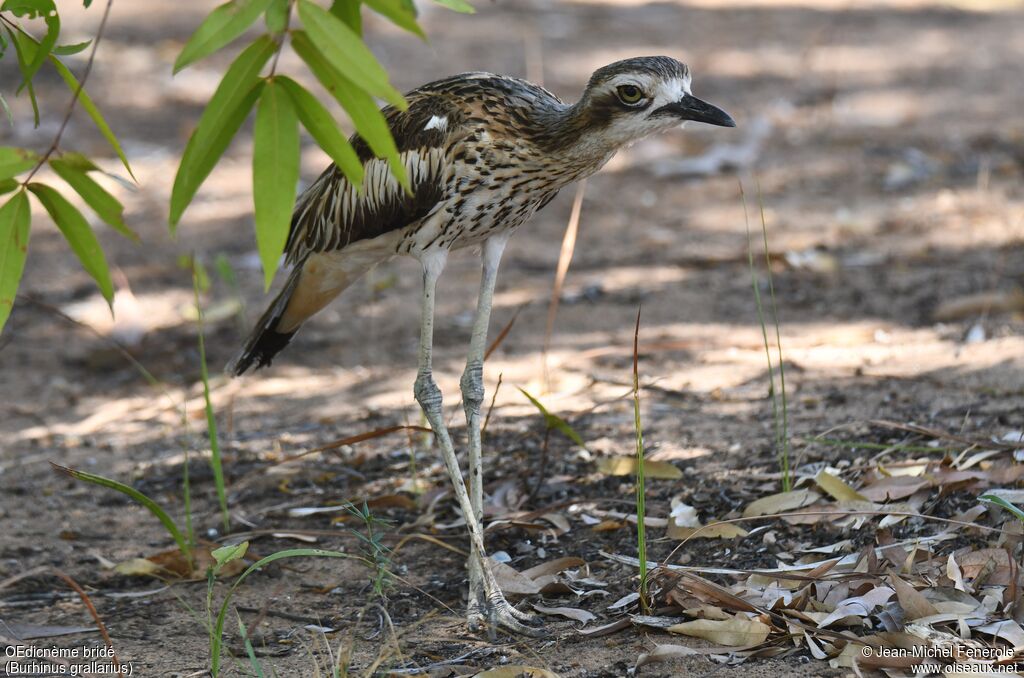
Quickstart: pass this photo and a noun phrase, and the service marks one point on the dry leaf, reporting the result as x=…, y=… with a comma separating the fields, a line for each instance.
x=664, y=653
x=836, y=488
x=553, y=567
x=626, y=466
x=1008, y=630
x=511, y=581
x=894, y=487
x=137, y=567
x=570, y=612
x=736, y=632
x=516, y=671
x=859, y=606
x=779, y=503
x=712, y=531
x=913, y=602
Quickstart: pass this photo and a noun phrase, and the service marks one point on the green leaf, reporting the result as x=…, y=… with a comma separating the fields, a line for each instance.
x=368, y=119
x=14, y=161
x=349, y=12
x=85, y=101
x=1002, y=503
x=225, y=554
x=227, y=110
x=276, y=17
x=25, y=50
x=554, y=421
x=14, y=231
x=221, y=26
x=68, y=50
x=275, y=173
x=138, y=497
x=8, y=185
x=35, y=9
x=319, y=122
x=344, y=50
x=79, y=235
x=402, y=13
x=457, y=5
x=107, y=207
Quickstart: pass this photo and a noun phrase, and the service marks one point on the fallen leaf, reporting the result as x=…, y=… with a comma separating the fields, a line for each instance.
x=779, y=503
x=626, y=466
x=894, y=487
x=836, y=488
x=511, y=581
x=712, y=531
x=569, y=612
x=736, y=632
x=515, y=671
x=137, y=567
x=553, y=567
x=664, y=653
x=913, y=602
x=859, y=606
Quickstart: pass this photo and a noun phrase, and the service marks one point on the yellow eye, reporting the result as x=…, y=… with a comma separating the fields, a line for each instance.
x=629, y=94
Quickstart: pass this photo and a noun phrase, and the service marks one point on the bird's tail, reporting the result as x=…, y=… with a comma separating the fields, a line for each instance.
x=265, y=341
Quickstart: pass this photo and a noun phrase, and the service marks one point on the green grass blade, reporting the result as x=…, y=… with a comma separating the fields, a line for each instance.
x=361, y=108
x=227, y=110
x=137, y=497
x=1002, y=503
x=14, y=161
x=211, y=420
x=107, y=207
x=641, y=483
x=275, y=174
x=319, y=122
x=221, y=26
x=764, y=336
x=254, y=663
x=216, y=640
x=79, y=235
x=345, y=50
x=15, y=219
x=402, y=13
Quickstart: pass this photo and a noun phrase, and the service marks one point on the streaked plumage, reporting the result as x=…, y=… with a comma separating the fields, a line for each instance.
x=483, y=153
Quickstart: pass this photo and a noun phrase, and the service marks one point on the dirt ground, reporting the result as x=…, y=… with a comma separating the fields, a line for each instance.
x=887, y=141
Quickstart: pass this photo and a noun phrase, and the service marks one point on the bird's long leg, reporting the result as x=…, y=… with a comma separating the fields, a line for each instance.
x=428, y=395
x=472, y=399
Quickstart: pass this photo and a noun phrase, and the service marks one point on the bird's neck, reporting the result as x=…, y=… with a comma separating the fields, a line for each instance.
x=572, y=141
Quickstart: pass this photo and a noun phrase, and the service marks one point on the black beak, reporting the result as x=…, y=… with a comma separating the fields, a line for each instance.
x=692, y=108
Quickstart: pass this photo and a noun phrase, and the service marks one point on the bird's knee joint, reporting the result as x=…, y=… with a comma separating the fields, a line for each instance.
x=472, y=384
x=427, y=394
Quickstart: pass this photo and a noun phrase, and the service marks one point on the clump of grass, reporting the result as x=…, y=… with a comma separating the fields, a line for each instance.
x=780, y=407
x=641, y=485
x=375, y=553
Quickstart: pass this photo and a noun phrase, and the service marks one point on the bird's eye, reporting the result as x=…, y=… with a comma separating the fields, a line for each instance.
x=629, y=94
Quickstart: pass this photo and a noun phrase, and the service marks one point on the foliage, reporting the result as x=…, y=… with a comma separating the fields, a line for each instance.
x=74, y=169
x=329, y=42
x=327, y=39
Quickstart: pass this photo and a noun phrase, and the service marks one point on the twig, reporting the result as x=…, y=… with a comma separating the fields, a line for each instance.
x=74, y=99
x=564, y=259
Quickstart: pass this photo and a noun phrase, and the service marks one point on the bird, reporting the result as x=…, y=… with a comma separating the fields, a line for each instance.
x=483, y=153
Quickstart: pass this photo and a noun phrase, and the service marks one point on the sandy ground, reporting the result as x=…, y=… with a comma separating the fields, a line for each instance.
x=887, y=143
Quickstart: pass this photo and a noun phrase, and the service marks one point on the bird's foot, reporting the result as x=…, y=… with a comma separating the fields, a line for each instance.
x=496, y=613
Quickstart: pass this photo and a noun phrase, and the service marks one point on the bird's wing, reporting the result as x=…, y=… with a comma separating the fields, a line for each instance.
x=332, y=213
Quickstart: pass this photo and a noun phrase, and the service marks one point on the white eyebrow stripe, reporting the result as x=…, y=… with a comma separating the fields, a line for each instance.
x=436, y=122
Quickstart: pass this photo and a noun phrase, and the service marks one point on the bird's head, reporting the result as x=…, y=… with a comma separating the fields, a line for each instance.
x=630, y=99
